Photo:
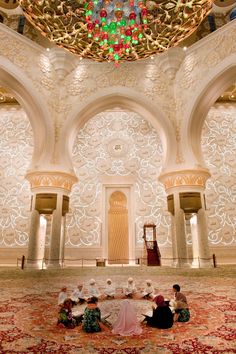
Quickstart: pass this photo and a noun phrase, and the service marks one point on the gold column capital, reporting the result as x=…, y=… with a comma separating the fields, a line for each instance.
x=51, y=179
x=185, y=178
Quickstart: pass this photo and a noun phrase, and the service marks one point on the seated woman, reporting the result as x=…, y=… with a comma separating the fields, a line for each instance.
x=162, y=316
x=182, y=313
x=127, y=322
x=92, y=317
x=65, y=316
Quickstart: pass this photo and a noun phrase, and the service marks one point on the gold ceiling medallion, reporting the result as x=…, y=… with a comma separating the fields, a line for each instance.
x=116, y=30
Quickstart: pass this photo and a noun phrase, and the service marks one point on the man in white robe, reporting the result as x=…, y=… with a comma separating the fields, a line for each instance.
x=109, y=290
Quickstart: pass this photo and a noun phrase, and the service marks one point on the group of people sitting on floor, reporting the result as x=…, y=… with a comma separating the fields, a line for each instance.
x=164, y=312
x=79, y=295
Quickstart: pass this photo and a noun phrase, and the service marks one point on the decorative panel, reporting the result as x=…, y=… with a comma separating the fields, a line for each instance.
x=116, y=143
x=219, y=150
x=16, y=148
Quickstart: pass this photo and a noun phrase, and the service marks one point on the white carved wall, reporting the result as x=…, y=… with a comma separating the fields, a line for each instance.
x=219, y=150
x=116, y=143
x=16, y=148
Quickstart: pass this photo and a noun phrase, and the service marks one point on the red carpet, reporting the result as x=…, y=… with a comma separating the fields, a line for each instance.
x=28, y=322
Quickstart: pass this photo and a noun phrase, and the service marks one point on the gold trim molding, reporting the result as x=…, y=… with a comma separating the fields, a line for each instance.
x=185, y=178
x=10, y=4
x=51, y=179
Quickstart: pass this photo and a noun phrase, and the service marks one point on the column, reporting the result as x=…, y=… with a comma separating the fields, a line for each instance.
x=195, y=245
x=203, y=246
x=187, y=186
x=56, y=230
x=33, y=258
x=63, y=231
x=174, y=243
x=50, y=186
x=180, y=239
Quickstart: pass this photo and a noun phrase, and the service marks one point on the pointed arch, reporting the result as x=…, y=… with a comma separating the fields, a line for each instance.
x=126, y=99
x=218, y=80
x=25, y=93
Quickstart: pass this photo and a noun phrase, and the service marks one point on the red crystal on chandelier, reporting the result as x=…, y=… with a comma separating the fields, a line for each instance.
x=117, y=26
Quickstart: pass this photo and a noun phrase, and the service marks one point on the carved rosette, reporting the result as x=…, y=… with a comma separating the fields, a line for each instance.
x=185, y=178
x=51, y=179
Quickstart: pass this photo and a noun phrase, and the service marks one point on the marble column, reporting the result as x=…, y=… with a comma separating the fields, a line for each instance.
x=174, y=243
x=62, y=244
x=195, y=245
x=34, y=258
x=187, y=181
x=180, y=239
x=56, y=235
x=51, y=183
x=203, y=246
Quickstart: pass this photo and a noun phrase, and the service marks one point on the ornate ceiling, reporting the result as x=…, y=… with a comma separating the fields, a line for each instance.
x=98, y=29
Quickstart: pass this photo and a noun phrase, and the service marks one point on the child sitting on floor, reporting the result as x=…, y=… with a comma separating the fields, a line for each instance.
x=65, y=316
x=148, y=292
x=109, y=290
x=78, y=295
x=130, y=288
x=62, y=296
x=93, y=290
x=181, y=310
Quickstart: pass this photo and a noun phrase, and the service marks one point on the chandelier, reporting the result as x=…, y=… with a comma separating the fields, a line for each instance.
x=116, y=30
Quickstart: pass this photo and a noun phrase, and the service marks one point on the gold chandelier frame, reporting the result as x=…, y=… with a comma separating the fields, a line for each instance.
x=168, y=23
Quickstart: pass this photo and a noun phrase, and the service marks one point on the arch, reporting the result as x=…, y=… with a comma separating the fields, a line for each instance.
x=220, y=78
x=126, y=99
x=118, y=228
x=27, y=96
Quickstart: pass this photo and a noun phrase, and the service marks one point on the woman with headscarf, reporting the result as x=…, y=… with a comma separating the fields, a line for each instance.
x=127, y=323
x=92, y=321
x=66, y=317
x=162, y=316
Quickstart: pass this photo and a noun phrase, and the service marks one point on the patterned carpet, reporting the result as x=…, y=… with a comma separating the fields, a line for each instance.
x=28, y=314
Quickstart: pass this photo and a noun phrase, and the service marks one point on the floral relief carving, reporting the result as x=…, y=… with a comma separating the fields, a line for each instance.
x=129, y=146
x=198, y=63
x=34, y=64
x=219, y=150
x=87, y=79
x=16, y=148
x=51, y=179
x=185, y=178
x=84, y=220
x=13, y=50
